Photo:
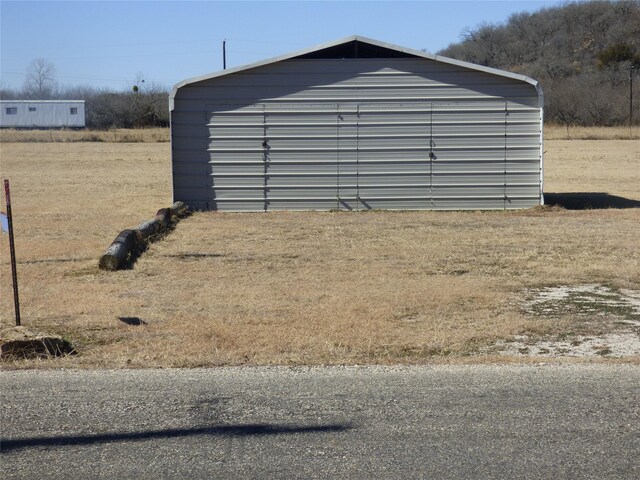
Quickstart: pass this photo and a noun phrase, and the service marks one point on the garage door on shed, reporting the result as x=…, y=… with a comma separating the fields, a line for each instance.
x=371, y=156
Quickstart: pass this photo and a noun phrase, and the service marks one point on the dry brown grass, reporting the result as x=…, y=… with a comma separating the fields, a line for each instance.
x=120, y=135
x=292, y=288
x=563, y=132
x=610, y=166
x=152, y=135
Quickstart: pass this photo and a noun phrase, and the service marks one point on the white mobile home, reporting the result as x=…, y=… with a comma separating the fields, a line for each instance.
x=42, y=114
x=357, y=124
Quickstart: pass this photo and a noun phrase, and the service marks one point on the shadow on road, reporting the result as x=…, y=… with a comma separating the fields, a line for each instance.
x=589, y=200
x=225, y=430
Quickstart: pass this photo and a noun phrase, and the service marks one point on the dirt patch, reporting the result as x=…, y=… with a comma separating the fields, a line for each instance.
x=22, y=343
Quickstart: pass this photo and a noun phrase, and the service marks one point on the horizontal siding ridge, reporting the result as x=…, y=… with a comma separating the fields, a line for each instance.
x=364, y=123
x=377, y=174
x=343, y=136
x=369, y=149
x=378, y=197
x=424, y=160
x=367, y=109
x=375, y=185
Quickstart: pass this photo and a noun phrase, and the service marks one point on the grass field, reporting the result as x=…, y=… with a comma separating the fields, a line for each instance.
x=118, y=135
x=152, y=135
x=559, y=132
x=306, y=288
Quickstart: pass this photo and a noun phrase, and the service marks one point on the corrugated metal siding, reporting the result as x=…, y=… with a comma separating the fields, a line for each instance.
x=42, y=114
x=357, y=134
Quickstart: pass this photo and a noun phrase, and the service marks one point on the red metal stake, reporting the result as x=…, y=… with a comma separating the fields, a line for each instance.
x=14, y=274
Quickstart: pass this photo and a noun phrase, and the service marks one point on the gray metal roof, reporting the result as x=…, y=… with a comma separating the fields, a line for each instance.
x=358, y=38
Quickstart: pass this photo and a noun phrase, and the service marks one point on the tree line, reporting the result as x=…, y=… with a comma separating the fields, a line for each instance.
x=582, y=53
x=146, y=104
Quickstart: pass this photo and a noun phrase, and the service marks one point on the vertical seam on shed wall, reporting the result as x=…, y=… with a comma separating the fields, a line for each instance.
x=338, y=156
x=431, y=154
x=541, y=103
x=265, y=155
x=358, y=156
x=504, y=176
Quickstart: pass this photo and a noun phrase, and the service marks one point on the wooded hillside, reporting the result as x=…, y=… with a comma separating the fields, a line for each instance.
x=580, y=53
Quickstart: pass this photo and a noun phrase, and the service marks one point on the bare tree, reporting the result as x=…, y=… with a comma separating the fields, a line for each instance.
x=40, y=81
x=148, y=103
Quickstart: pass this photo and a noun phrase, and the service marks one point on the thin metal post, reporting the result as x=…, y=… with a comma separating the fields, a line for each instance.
x=224, y=54
x=14, y=275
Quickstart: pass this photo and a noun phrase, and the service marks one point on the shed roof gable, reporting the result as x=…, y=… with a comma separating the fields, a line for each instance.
x=356, y=46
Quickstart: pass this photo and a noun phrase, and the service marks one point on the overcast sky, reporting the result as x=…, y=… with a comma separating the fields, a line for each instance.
x=108, y=44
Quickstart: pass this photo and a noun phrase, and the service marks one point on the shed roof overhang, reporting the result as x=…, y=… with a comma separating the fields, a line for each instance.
x=356, y=46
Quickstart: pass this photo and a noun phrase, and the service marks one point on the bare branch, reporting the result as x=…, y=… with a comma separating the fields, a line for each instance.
x=40, y=79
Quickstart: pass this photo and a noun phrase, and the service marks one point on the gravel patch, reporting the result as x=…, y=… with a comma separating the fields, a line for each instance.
x=612, y=345
x=618, y=309
x=583, y=299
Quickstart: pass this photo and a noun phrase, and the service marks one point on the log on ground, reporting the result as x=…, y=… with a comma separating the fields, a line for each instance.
x=179, y=209
x=118, y=251
x=147, y=230
x=163, y=217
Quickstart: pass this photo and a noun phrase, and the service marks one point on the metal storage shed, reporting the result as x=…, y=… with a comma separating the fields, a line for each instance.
x=357, y=124
x=42, y=114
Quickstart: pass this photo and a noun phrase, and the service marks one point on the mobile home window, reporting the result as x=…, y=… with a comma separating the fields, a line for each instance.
x=32, y=109
x=73, y=110
x=12, y=110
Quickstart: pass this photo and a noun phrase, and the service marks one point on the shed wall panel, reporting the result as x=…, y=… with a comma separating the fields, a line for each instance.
x=358, y=134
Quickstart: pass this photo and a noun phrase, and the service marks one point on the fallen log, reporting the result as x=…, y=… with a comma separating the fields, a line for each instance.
x=130, y=242
x=179, y=209
x=147, y=230
x=163, y=217
x=118, y=251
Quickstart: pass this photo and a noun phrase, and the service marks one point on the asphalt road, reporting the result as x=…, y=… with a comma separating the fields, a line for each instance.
x=340, y=422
